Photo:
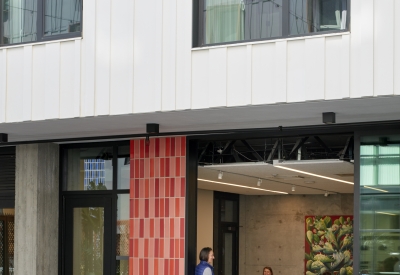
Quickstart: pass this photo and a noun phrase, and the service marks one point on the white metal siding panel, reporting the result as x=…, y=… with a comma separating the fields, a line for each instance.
x=333, y=77
x=121, y=57
x=315, y=68
x=27, y=84
x=280, y=87
x=103, y=49
x=3, y=85
x=236, y=76
x=345, y=66
x=296, y=72
x=184, y=55
x=249, y=84
x=383, y=47
x=67, y=79
x=52, y=81
x=147, y=56
x=263, y=73
x=217, y=77
x=38, y=82
x=200, y=79
x=169, y=55
x=77, y=79
x=89, y=46
x=396, y=33
x=15, y=63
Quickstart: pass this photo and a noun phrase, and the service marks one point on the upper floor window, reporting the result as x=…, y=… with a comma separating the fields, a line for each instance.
x=226, y=21
x=23, y=21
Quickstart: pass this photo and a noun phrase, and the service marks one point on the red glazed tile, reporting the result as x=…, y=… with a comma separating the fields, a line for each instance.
x=182, y=266
x=137, y=149
x=157, y=147
x=171, y=228
x=141, y=148
x=182, y=226
x=131, y=149
x=178, y=187
x=141, y=269
x=150, y=266
x=136, y=248
x=168, y=147
x=156, y=248
x=146, y=188
x=135, y=266
x=162, y=147
x=166, y=268
x=141, y=170
x=173, y=146
x=167, y=188
x=157, y=208
x=166, y=249
x=146, y=248
x=172, y=187
x=142, y=189
x=151, y=228
x=176, y=268
x=157, y=228
x=151, y=248
x=166, y=208
x=157, y=188
x=183, y=167
x=162, y=228
x=152, y=168
x=161, y=248
x=141, y=248
x=178, y=146
x=162, y=167
x=131, y=248
x=136, y=228
x=156, y=271
x=146, y=228
x=162, y=187
x=137, y=187
x=137, y=168
x=167, y=160
x=131, y=188
x=171, y=202
x=182, y=207
x=152, y=148
x=182, y=248
x=183, y=146
x=141, y=228
x=166, y=228
x=171, y=248
x=146, y=208
x=131, y=228
x=171, y=267
x=136, y=208
x=176, y=248
x=172, y=168
x=142, y=208
x=147, y=168
x=131, y=206
x=146, y=150
x=162, y=206
x=156, y=167
x=132, y=168
x=152, y=203
x=152, y=191
x=177, y=227
x=177, y=207
x=183, y=187
x=178, y=167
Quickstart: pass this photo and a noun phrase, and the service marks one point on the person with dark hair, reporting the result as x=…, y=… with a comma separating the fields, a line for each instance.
x=267, y=271
x=206, y=258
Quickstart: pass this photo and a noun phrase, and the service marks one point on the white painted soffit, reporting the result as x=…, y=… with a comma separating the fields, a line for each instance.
x=247, y=117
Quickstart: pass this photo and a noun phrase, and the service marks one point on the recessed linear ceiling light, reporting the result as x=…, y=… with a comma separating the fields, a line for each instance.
x=242, y=186
x=293, y=188
x=311, y=174
x=220, y=174
x=377, y=189
x=386, y=213
x=259, y=182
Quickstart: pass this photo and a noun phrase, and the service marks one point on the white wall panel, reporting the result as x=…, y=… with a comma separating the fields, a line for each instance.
x=333, y=65
x=15, y=63
x=263, y=73
x=280, y=91
x=236, y=76
x=3, y=85
x=89, y=64
x=249, y=65
x=296, y=71
x=67, y=80
x=103, y=51
x=217, y=77
x=38, y=82
x=362, y=48
x=315, y=68
x=396, y=34
x=184, y=54
x=345, y=66
x=77, y=78
x=169, y=55
x=383, y=46
x=200, y=79
x=52, y=81
x=27, y=84
x=147, y=56
x=121, y=57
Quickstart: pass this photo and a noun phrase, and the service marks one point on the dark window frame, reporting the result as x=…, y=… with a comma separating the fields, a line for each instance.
x=40, y=21
x=198, y=26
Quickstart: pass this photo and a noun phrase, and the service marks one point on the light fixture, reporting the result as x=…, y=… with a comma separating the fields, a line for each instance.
x=152, y=128
x=326, y=194
x=259, y=182
x=386, y=213
x=311, y=174
x=329, y=117
x=377, y=189
x=293, y=188
x=3, y=137
x=243, y=186
x=220, y=174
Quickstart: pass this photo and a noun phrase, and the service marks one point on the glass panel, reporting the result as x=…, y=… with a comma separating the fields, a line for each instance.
x=62, y=16
x=316, y=16
x=19, y=21
x=88, y=241
x=228, y=253
x=122, y=267
x=2, y=243
x=123, y=167
x=229, y=211
x=123, y=234
x=90, y=169
x=380, y=205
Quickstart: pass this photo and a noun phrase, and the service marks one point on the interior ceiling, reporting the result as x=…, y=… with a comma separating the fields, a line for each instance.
x=278, y=179
x=246, y=117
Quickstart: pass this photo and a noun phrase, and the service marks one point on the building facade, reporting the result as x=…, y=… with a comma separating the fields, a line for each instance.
x=79, y=81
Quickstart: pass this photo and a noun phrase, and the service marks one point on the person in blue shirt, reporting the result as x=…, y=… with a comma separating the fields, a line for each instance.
x=206, y=257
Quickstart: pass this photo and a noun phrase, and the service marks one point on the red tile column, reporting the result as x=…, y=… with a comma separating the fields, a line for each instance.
x=157, y=206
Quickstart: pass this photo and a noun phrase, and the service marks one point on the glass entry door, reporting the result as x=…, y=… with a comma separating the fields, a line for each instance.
x=88, y=231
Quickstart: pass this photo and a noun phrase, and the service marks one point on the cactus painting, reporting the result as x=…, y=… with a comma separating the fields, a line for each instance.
x=328, y=245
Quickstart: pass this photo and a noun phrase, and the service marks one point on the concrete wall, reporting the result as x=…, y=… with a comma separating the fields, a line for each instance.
x=272, y=229
x=136, y=57
x=36, y=209
x=205, y=205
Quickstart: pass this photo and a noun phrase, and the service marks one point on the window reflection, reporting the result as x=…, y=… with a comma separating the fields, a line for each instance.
x=62, y=16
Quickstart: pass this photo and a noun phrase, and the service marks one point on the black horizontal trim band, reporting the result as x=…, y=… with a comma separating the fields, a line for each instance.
x=255, y=132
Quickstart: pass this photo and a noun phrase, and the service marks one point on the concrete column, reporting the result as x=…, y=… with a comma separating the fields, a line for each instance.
x=36, y=209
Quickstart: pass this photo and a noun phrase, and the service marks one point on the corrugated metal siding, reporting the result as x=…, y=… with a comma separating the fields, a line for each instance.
x=7, y=177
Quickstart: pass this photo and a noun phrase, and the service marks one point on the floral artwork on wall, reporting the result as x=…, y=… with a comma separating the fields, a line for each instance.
x=329, y=245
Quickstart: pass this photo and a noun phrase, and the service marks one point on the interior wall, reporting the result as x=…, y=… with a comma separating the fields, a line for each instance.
x=272, y=229
x=205, y=205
